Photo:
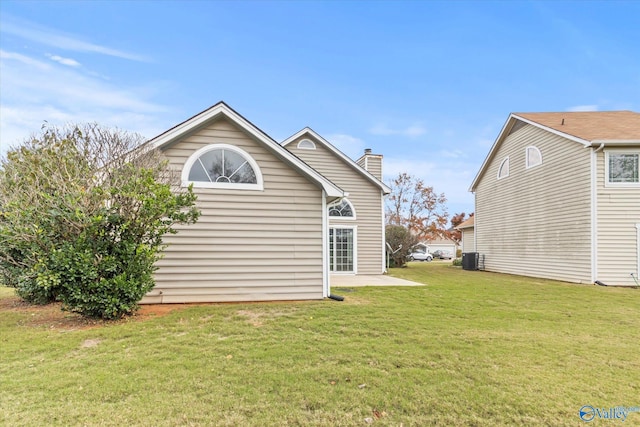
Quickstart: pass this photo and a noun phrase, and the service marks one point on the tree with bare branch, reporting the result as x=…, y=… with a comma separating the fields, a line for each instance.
x=416, y=206
x=83, y=211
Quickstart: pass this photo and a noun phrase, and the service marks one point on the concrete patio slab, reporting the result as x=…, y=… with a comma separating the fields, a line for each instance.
x=338, y=280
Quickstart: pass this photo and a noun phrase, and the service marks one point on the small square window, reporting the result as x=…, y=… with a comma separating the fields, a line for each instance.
x=622, y=168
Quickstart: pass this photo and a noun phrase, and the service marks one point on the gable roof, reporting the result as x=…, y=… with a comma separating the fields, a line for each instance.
x=468, y=223
x=221, y=109
x=308, y=131
x=589, y=128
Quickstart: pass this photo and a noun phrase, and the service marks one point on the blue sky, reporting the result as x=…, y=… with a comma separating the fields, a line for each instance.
x=428, y=84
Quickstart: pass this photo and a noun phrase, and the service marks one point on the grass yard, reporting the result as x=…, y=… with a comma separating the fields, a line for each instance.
x=468, y=349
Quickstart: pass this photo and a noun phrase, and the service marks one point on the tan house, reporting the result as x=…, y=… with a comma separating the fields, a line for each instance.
x=558, y=196
x=274, y=224
x=466, y=228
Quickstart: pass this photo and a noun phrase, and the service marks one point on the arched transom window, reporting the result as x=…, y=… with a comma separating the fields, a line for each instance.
x=503, y=170
x=342, y=208
x=222, y=166
x=534, y=157
x=306, y=144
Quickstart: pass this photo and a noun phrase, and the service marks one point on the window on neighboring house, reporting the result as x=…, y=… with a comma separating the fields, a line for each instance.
x=622, y=168
x=306, y=144
x=534, y=157
x=503, y=171
x=343, y=209
x=222, y=166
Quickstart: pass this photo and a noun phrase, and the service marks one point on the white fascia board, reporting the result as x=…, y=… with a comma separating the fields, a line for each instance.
x=166, y=138
x=503, y=135
x=307, y=130
x=489, y=157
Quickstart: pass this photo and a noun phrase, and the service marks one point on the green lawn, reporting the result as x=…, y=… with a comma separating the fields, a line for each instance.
x=470, y=348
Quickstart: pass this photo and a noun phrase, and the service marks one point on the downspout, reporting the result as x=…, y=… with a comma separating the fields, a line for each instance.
x=326, y=286
x=594, y=212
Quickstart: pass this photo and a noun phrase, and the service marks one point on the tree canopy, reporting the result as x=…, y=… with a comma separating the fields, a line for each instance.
x=83, y=211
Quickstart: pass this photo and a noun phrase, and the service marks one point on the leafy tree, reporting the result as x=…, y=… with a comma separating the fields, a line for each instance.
x=401, y=241
x=82, y=214
x=457, y=219
x=416, y=206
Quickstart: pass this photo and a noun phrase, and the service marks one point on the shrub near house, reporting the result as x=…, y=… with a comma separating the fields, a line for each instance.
x=83, y=219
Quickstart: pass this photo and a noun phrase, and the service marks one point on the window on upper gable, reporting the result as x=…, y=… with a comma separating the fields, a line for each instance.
x=342, y=208
x=503, y=171
x=534, y=157
x=622, y=168
x=306, y=144
x=222, y=166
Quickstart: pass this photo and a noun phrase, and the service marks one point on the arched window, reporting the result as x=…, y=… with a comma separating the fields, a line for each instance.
x=222, y=166
x=534, y=157
x=503, y=172
x=306, y=144
x=343, y=209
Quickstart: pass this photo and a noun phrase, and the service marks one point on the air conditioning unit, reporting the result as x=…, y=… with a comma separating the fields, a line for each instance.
x=470, y=260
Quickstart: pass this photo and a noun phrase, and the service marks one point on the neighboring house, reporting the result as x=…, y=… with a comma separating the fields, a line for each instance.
x=466, y=228
x=558, y=196
x=264, y=232
x=439, y=243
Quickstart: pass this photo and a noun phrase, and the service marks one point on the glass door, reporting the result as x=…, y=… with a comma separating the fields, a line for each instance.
x=341, y=250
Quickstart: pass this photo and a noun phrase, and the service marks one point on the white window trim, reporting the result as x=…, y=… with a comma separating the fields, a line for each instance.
x=355, y=250
x=606, y=168
x=528, y=164
x=259, y=185
x=342, y=218
x=505, y=160
x=302, y=147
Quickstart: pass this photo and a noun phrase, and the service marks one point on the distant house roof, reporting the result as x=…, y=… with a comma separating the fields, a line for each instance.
x=468, y=223
x=589, y=128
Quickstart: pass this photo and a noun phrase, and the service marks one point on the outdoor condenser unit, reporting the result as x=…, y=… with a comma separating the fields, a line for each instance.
x=470, y=260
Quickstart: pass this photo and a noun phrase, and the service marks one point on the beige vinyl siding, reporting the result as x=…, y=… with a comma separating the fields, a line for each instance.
x=537, y=222
x=617, y=241
x=372, y=163
x=468, y=240
x=365, y=197
x=248, y=245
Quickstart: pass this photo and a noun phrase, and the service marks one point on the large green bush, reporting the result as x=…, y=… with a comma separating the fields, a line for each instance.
x=82, y=216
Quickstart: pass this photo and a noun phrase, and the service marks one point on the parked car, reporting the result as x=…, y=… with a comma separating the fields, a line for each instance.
x=440, y=254
x=420, y=256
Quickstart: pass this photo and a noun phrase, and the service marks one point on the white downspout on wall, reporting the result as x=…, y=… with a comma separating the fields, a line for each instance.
x=594, y=213
x=326, y=285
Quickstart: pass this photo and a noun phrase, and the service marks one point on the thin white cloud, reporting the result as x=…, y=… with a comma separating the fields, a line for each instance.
x=64, y=61
x=26, y=60
x=32, y=91
x=55, y=38
x=451, y=177
x=411, y=131
x=578, y=108
x=349, y=145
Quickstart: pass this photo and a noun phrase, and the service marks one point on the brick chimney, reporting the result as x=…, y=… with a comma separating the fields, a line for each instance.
x=372, y=163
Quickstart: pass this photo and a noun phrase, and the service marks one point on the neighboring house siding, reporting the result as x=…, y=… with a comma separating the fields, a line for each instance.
x=617, y=236
x=536, y=222
x=365, y=197
x=247, y=245
x=468, y=240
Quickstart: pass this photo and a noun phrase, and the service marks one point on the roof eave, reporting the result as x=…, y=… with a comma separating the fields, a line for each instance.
x=222, y=109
